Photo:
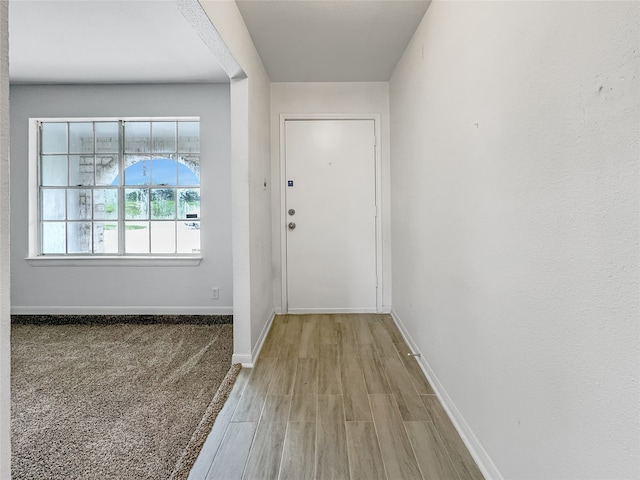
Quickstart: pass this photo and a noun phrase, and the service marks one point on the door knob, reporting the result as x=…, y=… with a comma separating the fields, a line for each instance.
x=292, y=226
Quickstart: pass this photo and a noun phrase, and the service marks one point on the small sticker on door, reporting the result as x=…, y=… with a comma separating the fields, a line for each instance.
x=289, y=183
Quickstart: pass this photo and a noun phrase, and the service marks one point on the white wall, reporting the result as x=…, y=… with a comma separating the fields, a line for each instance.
x=330, y=98
x=37, y=289
x=514, y=131
x=5, y=318
x=251, y=216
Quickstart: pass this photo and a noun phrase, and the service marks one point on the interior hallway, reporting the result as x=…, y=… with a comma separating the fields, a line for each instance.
x=334, y=396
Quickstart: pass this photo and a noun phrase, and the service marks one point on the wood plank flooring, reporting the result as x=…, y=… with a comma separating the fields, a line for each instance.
x=334, y=397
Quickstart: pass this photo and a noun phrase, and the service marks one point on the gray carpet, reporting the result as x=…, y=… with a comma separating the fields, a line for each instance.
x=114, y=401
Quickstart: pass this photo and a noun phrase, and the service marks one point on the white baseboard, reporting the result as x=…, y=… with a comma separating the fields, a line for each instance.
x=245, y=360
x=110, y=310
x=477, y=451
x=248, y=361
x=263, y=336
x=301, y=311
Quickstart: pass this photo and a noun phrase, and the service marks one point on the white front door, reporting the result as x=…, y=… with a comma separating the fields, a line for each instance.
x=330, y=213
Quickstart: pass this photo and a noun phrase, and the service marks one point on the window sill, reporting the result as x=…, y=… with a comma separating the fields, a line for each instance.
x=128, y=261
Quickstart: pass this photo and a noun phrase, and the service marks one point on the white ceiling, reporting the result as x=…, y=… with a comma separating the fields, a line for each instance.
x=150, y=41
x=106, y=41
x=331, y=40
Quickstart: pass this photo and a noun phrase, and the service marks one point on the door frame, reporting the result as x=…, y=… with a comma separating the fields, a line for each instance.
x=283, y=191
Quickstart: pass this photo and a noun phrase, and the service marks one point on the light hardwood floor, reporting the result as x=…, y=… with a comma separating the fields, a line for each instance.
x=334, y=397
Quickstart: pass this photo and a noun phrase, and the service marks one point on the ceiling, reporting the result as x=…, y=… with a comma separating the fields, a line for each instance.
x=331, y=40
x=106, y=41
x=150, y=41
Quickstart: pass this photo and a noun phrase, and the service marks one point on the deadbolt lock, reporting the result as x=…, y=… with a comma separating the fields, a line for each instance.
x=292, y=211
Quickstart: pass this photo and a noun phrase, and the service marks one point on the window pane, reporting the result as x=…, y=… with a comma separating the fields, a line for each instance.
x=80, y=170
x=137, y=137
x=189, y=137
x=53, y=237
x=189, y=203
x=150, y=158
x=107, y=137
x=105, y=237
x=106, y=170
x=78, y=204
x=136, y=203
x=52, y=206
x=137, y=170
x=105, y=204
x=188, y=237
x=163, y=237
x=189, y=170
x=163, y=203
x=136, y=237
x=164, y=171
x=54, y=138
x=79, y=237
x=80, y=137
x=54, y=170
x=164, y=137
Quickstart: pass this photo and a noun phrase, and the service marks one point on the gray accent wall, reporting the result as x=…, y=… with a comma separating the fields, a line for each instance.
x=127, y=289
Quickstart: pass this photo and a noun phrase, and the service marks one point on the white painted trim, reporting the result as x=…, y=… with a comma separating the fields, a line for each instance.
x=34, y=234
x=477, y=451
x=113, y=119
x=263, y=336
x=243, y=359
x=284, y=302
x=33, y=189
x=299, y=311
x=378, y=188
x=240, y=228
x=195, y=14
x=377, y=126
x=120, y=261
x=111, y=310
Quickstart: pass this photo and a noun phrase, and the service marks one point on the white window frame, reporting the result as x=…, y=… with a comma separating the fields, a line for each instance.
x=35, y=258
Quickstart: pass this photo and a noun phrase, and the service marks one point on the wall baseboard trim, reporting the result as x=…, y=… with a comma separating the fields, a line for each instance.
x=248, y=361
x=302, y=311
x=263, y=336
x=111, y=310
x=477, y=451
x=243, y=359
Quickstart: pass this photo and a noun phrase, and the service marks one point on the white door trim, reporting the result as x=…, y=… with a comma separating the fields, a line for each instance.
x=283, y=188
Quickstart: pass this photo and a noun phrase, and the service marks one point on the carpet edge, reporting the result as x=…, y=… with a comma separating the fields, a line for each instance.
x=192, y=450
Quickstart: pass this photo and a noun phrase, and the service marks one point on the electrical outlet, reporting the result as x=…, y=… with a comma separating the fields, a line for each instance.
x=215, y=293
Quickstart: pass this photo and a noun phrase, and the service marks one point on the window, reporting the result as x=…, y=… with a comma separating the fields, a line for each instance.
x=119, y=187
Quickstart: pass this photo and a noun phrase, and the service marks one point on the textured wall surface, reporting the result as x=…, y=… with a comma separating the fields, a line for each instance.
x=514, y=132
x=5, y=322
x=128, y=289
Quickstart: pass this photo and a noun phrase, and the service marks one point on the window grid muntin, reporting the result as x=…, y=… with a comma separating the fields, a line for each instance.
x=120, y=187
